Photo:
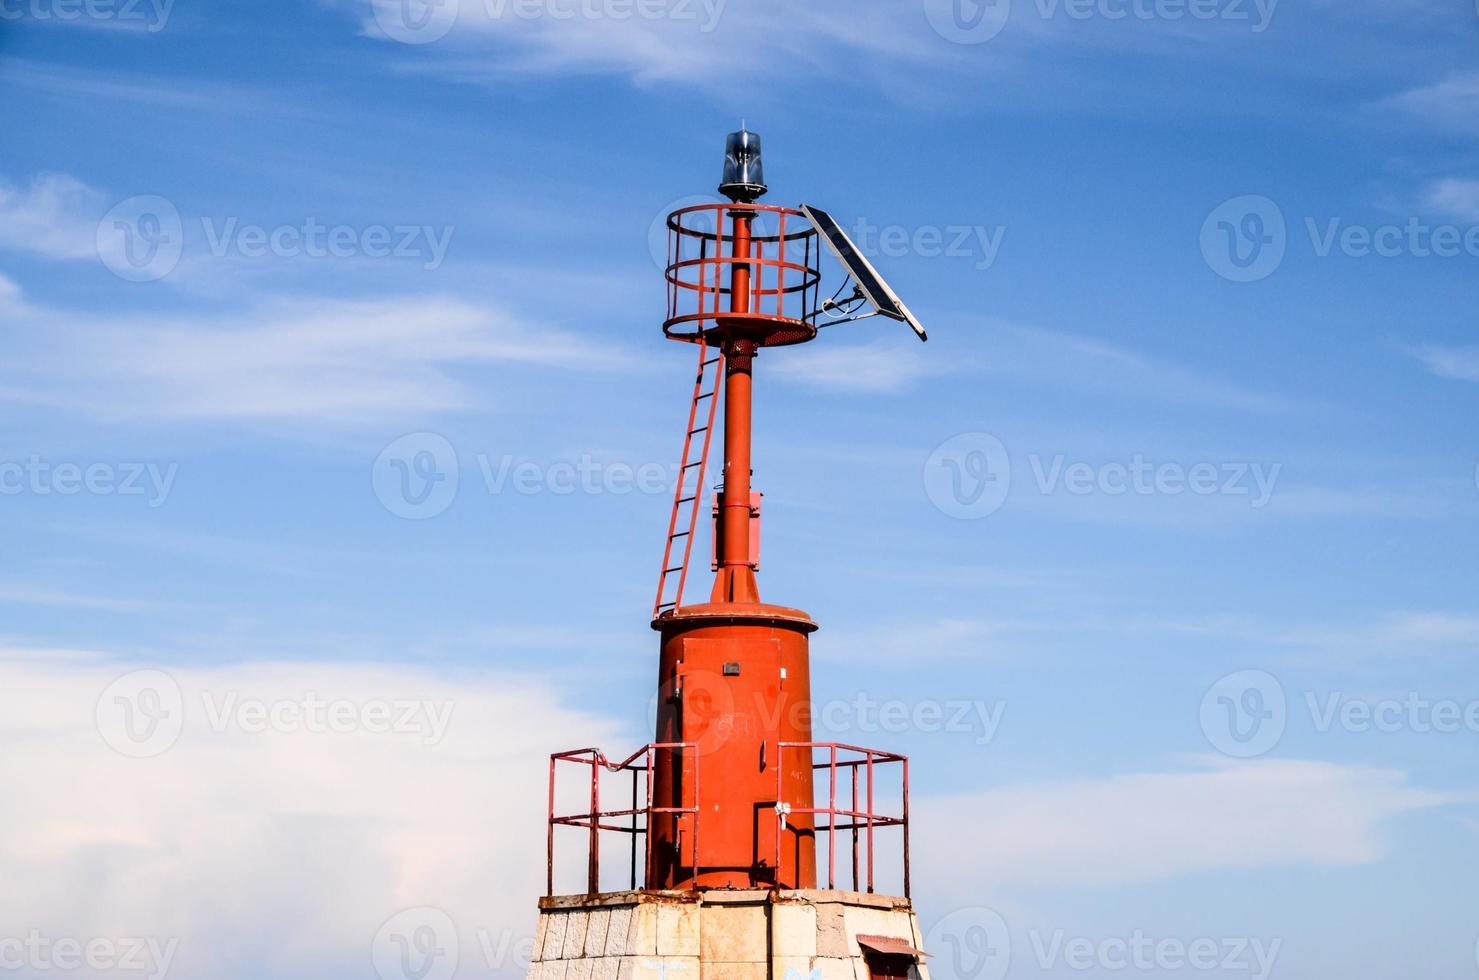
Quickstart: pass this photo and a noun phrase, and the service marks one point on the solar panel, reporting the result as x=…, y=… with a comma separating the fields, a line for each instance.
x=870, y=283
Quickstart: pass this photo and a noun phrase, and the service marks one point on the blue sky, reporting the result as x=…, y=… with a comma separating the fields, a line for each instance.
x=1140, y=237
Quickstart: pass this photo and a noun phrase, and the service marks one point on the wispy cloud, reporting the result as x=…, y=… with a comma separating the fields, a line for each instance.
x=156, y=91
x=699, y=42
x=1091, y=364
x=1455, y=196
x=335, y=361
x=1394, y=637
x=1220, y=817
x=1457, y=363
x=1451, y=104
x=881, y=366
x=934, y=639
x=10, y=650
x=54, y=216
x=30, y=596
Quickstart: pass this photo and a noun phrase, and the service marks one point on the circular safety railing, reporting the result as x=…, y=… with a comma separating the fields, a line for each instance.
x=742, y=271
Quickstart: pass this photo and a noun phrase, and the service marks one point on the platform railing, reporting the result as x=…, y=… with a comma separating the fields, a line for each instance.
x=638, y=816
x=783, y=261
x=859, y=819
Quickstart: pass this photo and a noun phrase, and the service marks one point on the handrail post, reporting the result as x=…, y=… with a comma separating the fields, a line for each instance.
x=696, y=821
x=832, y=819
x=905, y=761
x=647, y=841
x=634, y=830
x=780, y=820
x=593, y=871
x=870, y=820
x=549, y=866
x=854, y=828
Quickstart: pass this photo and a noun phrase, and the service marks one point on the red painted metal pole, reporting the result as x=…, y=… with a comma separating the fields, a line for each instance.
x=735, y=581
x=854, y=828
x=906, y=827
x=832, y=819
x=647, y=841
x=870, y=821
x=595, y=855
x=696, y=821
x=549, y=871
x=634, y=828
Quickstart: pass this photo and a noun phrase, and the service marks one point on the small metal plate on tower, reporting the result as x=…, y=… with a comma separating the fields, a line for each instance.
x=872, y=285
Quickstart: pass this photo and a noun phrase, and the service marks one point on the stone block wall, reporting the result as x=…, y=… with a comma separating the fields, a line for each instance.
x=716, y=935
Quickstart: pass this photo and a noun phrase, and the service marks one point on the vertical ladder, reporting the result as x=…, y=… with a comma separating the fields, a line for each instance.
x=690, y=479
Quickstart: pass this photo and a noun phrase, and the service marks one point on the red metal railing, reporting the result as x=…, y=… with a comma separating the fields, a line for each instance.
x=596, y=820
x=781, y=251
x=860, y=818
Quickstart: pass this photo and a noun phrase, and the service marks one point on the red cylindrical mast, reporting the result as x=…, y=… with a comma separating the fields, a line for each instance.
x=736, y=579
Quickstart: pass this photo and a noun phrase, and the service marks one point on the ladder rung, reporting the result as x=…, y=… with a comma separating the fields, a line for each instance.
x=679, y=534
x=689, y=466
x=684, y=500
x=673, y=569
x=695, y=432
x=712, y=360
x=666, y=605
x=707, y=394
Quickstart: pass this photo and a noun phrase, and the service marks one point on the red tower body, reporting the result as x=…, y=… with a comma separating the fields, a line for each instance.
x=734, y=675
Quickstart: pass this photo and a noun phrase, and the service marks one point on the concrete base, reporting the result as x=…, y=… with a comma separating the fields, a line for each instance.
x=716, y=935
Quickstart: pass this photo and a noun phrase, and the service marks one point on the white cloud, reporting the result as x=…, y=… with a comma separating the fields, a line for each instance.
x=200, y=94
x=1126, y=829
x=1060, y=357
x=930, y=639
x=310, y=358
x=1432, y=628
x=1458, y=363
x=281, y=853
x=55, y=216
x=706, y=43
x=277, y=854
x=1397, y=636
x=1456, y=197
x=1450, y=104
x=12, y=652
x=11, y=300
x=29, y=595
x=881, y=366
x=318, y=360
x=1091, y=364
x=697, y=42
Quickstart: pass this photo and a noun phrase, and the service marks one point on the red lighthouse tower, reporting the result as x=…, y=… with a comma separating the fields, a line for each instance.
x=728, y=805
